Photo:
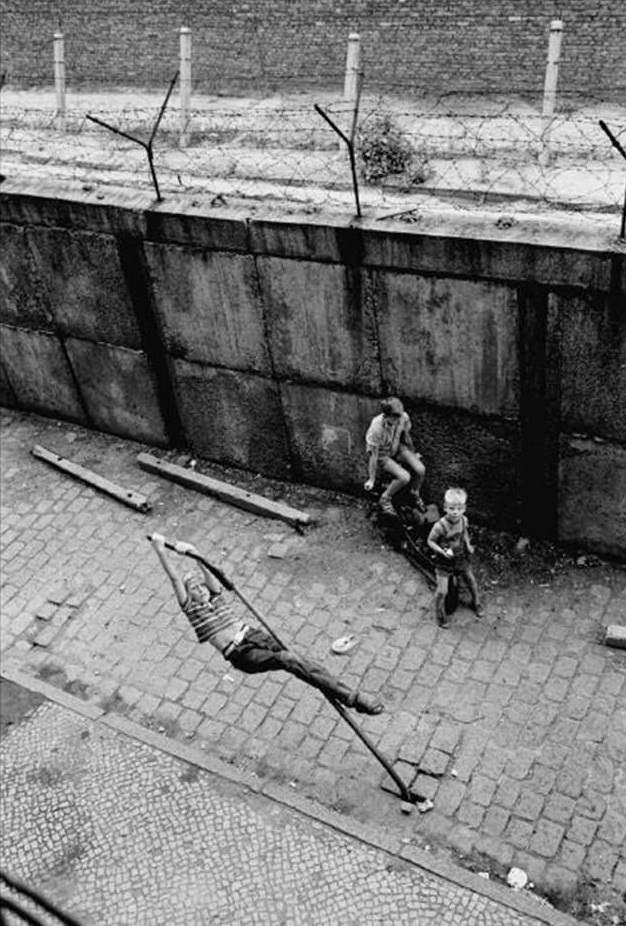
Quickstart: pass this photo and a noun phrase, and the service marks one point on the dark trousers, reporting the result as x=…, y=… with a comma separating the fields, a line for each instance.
x=259, y=652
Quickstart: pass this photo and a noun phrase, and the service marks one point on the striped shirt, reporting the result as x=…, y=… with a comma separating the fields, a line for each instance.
x=212, y=619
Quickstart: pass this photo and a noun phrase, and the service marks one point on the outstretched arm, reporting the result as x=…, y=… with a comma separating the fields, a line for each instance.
x=210, y=581
x=158, y=542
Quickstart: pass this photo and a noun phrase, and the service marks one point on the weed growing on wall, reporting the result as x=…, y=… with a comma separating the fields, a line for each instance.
x=384, y=151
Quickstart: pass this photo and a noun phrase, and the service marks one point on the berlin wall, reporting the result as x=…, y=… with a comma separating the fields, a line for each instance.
x=267, y=342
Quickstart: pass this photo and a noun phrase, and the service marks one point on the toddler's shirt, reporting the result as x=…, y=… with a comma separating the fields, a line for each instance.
x=450, y=536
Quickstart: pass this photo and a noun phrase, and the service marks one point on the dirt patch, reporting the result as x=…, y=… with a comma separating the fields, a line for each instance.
x=16, y=705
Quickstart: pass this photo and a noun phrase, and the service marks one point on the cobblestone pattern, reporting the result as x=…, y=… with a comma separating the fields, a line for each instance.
x=118, y=833
x=515, y=727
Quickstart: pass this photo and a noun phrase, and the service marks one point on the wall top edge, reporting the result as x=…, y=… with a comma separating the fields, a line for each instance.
x=596, y=234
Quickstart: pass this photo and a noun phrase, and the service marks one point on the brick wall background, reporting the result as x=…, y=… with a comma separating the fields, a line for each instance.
x=263, y=46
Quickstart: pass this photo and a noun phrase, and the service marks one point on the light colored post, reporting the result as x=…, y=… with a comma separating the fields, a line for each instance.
x=351, y=80
x=59, y=77
x=549, y=89
x=352, y=67
x=185, y=84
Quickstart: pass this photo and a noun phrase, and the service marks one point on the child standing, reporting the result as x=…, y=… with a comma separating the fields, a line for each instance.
x=449, y=538
x=390, y=449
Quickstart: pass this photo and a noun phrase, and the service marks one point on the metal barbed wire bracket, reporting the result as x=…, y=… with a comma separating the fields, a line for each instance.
x=349, y=140
x=619, y=148
x=147, y=146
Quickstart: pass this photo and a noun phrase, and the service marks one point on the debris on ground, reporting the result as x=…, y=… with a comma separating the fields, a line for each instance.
x=134, y=500
x=344, y=644
x=425, y=805
x=517, y=879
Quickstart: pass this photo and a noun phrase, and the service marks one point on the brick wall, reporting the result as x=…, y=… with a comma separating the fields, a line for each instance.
x=409, y=46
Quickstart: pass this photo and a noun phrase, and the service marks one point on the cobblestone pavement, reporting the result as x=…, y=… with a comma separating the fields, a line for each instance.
x=116, y=832
x=516, y=727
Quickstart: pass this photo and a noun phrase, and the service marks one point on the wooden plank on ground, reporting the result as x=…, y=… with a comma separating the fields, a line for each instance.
x=132, y=499
x=232, y=495
x=615, y=635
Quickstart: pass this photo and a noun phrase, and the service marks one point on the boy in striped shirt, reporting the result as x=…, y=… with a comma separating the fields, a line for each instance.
x=249, y=649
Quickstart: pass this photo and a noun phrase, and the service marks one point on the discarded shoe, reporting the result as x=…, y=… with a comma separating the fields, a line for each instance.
x=344, y=644
x=365, y=705
x=425, y=805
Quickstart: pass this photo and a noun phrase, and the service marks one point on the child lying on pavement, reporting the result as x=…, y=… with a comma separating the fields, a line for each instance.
x=251, y=650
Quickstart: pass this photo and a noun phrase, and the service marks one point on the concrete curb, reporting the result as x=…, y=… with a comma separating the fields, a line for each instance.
x=525, y=904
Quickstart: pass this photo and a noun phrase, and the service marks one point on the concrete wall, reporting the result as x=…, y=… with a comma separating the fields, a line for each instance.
x=267, y=342
x=467, y=46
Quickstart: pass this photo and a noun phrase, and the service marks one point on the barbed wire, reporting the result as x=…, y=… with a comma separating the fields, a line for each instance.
x=278, y=149
x=462, y=141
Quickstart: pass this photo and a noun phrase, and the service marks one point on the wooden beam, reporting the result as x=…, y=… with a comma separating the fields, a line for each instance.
x=232, y=495
x=132, y=499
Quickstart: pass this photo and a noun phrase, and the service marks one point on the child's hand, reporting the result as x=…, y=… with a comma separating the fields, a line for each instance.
x=449, y=554
x=369, y=485
x=470, y=548
x=182, y=547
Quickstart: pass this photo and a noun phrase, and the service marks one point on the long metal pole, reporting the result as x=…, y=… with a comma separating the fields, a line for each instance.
x=230, y=586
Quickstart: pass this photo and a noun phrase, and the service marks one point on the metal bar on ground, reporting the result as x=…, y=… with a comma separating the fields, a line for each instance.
x=232, y=495
x=132, y=499
x=407, y=796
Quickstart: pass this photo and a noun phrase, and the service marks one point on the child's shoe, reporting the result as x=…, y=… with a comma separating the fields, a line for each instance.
x=416, y=498
x=386, y=505
x=478, y=610
x=365, y=705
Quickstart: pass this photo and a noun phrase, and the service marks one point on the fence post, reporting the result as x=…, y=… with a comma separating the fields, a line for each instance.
x=352, y=67
x=351, y=79
x=59, y=77
x=549, y=89
x=185, y=84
